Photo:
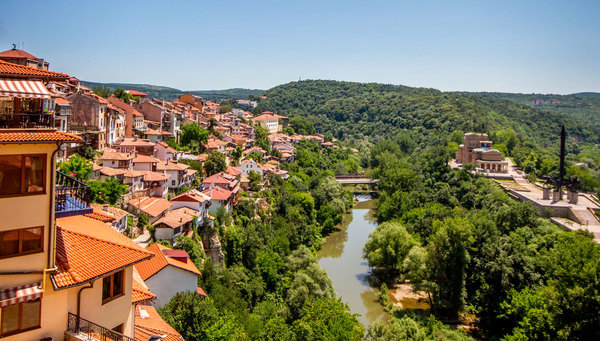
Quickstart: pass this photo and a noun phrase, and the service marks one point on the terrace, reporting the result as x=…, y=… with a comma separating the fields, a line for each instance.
x=72, y=197
x=82, y=329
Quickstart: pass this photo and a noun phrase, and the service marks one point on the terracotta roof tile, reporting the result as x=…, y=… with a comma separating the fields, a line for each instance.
x=113, y=212
x=114, y=155
x=174, y=219
x=218, y=193
x=152, y=266
x=156, y=176
x=111, y=171
x=16, y=53
x=61, y=101
x=140, y=293
x=21, y=71
x=171, y=165
x=27, y=135
x=136, y=93
x=87, y=249
x=191, y=195
x=149, y=323
x=151, y=205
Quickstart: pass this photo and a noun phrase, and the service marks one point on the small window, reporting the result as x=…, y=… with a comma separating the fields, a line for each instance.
x=20, y=317
x=112, y=286
x=21, y=242
x=22, y=174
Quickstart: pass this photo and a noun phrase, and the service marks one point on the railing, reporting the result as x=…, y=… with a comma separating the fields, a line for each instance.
x=72, y=197
x=86, y=330
x=27, y=120
x=350, y=176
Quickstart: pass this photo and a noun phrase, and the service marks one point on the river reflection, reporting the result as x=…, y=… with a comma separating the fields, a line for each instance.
x=341, y=256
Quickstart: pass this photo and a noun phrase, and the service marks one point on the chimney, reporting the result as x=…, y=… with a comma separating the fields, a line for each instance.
x=105, y=208
x=180, y=219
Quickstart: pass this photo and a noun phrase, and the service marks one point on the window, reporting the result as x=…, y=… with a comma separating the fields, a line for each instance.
x=21, y=242
x=22, y=174
x=20, y=317
x=112, y=286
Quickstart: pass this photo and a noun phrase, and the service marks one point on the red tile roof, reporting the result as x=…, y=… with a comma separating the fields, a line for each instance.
x=41, y=136
x=61, y=101
x=162, y=258
x=148, y=324
x=191, y=195
x=156, y=176
x=174, y=219
x=16, y=53
x=144, y=159
x=136, y=93
x=151, y=205
x=140, y=292
x=218, y=193
x=21, y=71
x=87, y=249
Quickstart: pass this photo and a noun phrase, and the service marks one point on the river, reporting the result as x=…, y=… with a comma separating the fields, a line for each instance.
x=341, y=256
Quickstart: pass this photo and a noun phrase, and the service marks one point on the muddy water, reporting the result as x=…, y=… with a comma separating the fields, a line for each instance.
x=341, y=256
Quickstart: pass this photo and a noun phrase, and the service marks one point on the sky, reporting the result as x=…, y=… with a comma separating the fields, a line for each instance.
x=508, y=46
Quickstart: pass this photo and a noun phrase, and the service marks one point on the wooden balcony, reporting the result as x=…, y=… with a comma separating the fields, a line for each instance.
x=27, y=120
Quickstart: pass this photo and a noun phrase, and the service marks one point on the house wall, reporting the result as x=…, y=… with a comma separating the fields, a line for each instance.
x=163, y=233
x=168, y=282
x=152, y=112
x=142, y=166
x=17, y=212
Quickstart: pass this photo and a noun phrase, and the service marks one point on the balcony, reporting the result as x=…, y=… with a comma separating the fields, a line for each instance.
x=27, y=120
x=72, y=197
x=81, y=329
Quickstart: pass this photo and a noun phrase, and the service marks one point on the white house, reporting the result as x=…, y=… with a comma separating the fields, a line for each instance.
x=172, y=225
x=167, y=273
x=194, y=200
x=220, y=197
x=250, y=165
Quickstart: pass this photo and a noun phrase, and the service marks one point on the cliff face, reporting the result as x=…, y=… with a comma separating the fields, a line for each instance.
x=212, y=246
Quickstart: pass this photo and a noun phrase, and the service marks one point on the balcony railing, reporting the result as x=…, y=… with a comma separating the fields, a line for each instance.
x=89, y=331
x=27, y=120
x=72, y=197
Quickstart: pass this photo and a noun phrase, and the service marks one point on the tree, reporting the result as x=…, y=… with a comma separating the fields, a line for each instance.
x=123, y=95
x=328, y=319
x=77, y=166
x=106, y=192
x=193, y=249
x=387, y=248
x=302, y=125
x=255, y=180
x=102, y=91
x=215, y=163
x=446, y=263
x=236, y=155
x=196, y=317
x=193, y=136
x=261, y=138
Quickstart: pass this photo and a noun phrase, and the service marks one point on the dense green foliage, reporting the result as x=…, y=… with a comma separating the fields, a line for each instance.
x=194, y=137
x=480, y=251
x=77, y=166
x=380, y=110
x=271, y=286
x=106, y=192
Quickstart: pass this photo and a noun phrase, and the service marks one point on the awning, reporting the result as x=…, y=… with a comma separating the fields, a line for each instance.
x=20, y=294
x=23, y=88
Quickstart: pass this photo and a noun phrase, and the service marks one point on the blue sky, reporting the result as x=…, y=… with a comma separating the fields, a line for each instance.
x=511, y=46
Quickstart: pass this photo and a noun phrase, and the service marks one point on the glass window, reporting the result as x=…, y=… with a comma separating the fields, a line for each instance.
x=34, y=173
x=31, y=239
x=30, y=317
x=10, y=174
x=118, y=283
x=10, y=319
x=22, y=241
x=9, y=243
x=106, y=287
x=112, y=286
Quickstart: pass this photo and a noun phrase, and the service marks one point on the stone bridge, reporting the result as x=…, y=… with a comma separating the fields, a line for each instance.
x=354, y=179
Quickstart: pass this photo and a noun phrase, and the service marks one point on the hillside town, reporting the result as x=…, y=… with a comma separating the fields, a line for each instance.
x=96, y=191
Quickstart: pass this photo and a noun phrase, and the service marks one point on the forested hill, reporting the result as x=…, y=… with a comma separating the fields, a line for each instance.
x=583, y=107
x=380, y=110
x=169, y=94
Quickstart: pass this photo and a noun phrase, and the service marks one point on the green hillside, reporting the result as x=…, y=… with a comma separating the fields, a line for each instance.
x=378, y=110
x=584, y=106
x=169, y=94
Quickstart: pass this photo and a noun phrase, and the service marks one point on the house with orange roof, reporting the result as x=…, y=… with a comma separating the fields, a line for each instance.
x=71, y=275
x=181, y=174
x=195, y=200
x=134, y=179
x=116, y=217
x=270, y=122
x=20, y=57
x=168, y=272
x=195, y=101
x=111, y=173
x=216, y=145
x=164, y=152
x=155, y=184
x=135, y=144
x=220, y=197
x=247, y=166
x=145, y=163
x=154, y=207
x=113, y=159
x=221, y=179
x=173, y=224
x=136, y=93
x=62, y=112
